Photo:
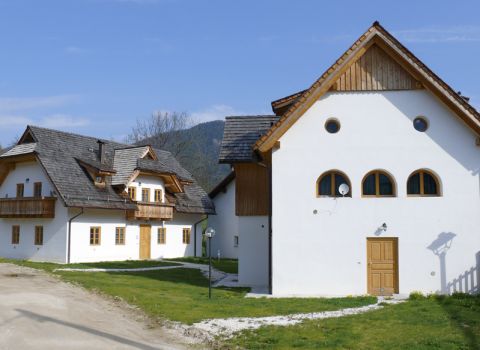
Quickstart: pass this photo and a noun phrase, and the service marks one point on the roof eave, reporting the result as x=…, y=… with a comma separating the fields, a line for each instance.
x=375, y=34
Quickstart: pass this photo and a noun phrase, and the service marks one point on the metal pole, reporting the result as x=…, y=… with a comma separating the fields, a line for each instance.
x=209, y=267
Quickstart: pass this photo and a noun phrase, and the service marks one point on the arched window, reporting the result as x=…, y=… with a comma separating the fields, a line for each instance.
x=328, y=184
x=423, y=183
x=378, y=183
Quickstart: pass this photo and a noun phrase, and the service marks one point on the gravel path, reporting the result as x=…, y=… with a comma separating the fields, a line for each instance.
x=217, y=275
x=226, y=327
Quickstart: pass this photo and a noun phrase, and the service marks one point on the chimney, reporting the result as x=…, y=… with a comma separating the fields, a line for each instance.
x=101, y=151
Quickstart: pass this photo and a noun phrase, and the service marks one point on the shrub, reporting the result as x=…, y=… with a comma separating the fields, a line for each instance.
x=415, y=295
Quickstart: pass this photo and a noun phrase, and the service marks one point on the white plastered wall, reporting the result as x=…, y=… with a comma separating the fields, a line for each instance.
x=225, y=224
x=54, y=230
x=253, y=251
x=325, y=253
x=108, y=220
x=151, y=182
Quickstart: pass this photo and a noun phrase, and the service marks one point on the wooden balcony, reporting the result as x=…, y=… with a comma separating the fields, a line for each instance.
x=28, y=207
x=151, y=211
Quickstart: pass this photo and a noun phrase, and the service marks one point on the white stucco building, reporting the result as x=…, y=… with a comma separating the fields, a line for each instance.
x=71, y=198
x=226, y=242
x=366, y=182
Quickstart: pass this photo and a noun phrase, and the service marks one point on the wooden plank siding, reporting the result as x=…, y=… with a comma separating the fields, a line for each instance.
x=375, y=71
x=251, y=189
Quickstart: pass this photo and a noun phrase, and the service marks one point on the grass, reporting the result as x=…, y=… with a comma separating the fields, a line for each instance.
x=182, y=295
x=225, y=265
x=128, y=264
x=424, y=323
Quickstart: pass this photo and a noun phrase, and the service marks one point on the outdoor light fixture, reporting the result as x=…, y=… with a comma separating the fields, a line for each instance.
x=209, y=233
x=384, y=227
x=27, y=180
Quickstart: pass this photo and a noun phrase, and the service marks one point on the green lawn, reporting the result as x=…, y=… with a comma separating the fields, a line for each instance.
x=225, y=265
x=427, y=323
x=182, y=295
x=128, y=264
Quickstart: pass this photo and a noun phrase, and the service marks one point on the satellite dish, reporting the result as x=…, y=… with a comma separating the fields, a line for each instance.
x=343, y=189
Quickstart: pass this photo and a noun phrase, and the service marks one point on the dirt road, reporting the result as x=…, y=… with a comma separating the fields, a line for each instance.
x=37, y=311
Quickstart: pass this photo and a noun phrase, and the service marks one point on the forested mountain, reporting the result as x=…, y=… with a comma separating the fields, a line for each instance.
x=197, y=151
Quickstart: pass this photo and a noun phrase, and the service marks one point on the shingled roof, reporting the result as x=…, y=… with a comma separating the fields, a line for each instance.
x=61, y=155
x=240, y=134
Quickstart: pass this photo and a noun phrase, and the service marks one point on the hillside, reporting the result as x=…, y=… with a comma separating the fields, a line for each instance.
x=199, y=146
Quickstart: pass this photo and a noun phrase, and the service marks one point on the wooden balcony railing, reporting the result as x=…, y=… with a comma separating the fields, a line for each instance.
x=151, y=211
x=27, y=207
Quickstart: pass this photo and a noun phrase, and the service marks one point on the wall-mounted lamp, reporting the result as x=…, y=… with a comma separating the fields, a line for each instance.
x=27, y=180
x=383, y=227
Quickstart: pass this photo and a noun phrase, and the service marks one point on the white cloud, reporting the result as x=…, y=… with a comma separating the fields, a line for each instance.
x=13, y=120
x=439, y=34
x=215, y=112
x=12, y=104
x=56, y=121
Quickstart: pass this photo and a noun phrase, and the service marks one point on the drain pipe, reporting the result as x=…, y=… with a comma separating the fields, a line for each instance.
x=70, y=233
x=195, y=235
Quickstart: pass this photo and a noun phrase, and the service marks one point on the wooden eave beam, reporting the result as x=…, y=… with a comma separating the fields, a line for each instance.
x=171, y=180
x=330, y=77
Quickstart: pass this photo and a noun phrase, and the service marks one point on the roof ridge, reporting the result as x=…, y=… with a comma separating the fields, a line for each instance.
x=130, y=147
x=251, y=116
x=75, y=134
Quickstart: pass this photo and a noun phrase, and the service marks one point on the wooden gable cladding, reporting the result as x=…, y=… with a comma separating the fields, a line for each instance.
x=251, y=189
x=375, y=70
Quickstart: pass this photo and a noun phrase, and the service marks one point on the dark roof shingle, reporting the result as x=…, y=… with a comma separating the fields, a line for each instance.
x=240, y=134
x=59, y=152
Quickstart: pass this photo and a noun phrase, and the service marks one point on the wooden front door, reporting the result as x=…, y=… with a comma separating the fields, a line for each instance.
x=382, y=266
x=145, y=236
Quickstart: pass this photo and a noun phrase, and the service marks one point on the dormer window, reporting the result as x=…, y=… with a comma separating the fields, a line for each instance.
x=146, y=195
x=132, y=193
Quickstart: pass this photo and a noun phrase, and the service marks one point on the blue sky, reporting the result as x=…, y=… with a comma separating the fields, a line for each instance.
x=96, y=66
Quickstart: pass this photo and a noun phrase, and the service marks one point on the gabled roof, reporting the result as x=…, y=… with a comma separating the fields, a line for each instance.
x=125, y=162
x=16, y=150
x=222, y=185
x=240, y=134
x=65, y=156
x=281, y=105
x=376, y=34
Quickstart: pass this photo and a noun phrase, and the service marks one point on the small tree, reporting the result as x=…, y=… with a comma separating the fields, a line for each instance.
x=165, y=130
x=161, y=131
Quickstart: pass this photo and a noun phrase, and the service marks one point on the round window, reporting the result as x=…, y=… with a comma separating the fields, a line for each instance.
x=332, y=126
x=420, y=124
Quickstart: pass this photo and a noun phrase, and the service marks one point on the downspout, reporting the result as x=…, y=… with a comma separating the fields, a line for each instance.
x=70, y=233
x=195, y=235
